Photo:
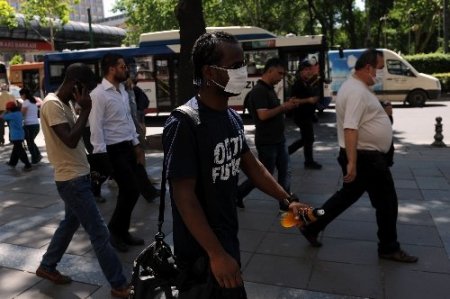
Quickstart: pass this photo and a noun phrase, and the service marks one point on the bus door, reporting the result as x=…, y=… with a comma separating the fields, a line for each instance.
x=3, y=76
x=166, y=80
x=31, y=80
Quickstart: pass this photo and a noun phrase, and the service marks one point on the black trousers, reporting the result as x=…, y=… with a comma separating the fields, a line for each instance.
x=18, y=152
x=375, y=178
x=125, y=168
x=31, y=131
x=306, y=141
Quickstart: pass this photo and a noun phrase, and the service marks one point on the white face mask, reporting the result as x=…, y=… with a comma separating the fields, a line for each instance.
x=379, y=77
x=237, y=79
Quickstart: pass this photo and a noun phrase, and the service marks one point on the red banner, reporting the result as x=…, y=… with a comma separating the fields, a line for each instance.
x=24, y=45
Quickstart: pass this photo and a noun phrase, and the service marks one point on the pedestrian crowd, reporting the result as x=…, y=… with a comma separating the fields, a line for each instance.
x=95, y=131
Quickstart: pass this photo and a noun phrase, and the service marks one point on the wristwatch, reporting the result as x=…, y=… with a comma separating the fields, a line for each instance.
x=290, y=199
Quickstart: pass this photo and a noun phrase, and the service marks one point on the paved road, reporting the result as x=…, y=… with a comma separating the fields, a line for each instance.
x=277, y=263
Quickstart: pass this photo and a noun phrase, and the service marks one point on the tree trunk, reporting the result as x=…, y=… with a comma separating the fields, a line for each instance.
x=311, y=17
x=348, y=6
x=190, y=18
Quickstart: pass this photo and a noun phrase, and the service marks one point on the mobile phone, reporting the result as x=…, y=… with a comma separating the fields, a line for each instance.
x=78, y=87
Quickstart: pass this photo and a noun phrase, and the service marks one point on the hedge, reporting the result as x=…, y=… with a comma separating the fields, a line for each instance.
x=437, y=64
x=444, y=78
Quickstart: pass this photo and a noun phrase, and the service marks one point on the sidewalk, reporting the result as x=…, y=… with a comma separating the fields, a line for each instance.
x=276, y=262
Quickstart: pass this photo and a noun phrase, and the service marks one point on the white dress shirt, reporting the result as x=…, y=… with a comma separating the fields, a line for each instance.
x=110, y=119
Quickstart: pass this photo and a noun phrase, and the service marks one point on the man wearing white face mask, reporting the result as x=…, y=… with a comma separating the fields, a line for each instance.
x=365, y=136
x=268, y=114
x=203, y=161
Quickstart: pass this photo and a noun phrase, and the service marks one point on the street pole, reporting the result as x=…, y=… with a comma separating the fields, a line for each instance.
x=446, y=24
x=91, y=36
x=384, y=18
x=409, y=32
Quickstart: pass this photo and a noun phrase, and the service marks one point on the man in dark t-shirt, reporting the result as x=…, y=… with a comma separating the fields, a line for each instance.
x=268, y=114
x=307, y=95
x=225, y=132
x=203, y=162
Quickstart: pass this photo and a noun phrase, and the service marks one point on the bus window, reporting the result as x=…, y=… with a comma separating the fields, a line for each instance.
x=257, y=59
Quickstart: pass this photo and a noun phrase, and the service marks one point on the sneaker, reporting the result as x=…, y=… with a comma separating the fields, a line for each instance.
x=123, y=292
x=37, y=160
x=312, y=238
x=313, y=165
x=54, y=276
x=27, y=168
x=399, y=256
x=151, y=197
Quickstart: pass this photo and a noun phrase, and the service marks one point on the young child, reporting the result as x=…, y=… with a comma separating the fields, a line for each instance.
x=15, y=121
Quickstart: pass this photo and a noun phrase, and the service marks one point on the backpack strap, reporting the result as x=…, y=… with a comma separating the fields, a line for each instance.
x=195, y=119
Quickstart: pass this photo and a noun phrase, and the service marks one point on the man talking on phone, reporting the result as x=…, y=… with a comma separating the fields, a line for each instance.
x=66, y=152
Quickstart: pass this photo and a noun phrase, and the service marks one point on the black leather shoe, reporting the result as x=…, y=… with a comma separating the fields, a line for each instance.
x=133, y=241
x=118, y=243
x=151, y=197
x=312, y=238
x=313, y=165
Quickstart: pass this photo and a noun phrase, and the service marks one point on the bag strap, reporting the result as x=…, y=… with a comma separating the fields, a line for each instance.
x=194, y=116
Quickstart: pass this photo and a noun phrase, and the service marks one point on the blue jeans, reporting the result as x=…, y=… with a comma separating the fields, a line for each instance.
x=80, y=208
x=271, y=156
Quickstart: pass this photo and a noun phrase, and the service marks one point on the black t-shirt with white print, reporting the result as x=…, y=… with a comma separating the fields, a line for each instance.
x=217, y=164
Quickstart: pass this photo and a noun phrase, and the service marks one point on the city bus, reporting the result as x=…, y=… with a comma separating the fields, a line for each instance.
x=29, y=75
x=155, y=62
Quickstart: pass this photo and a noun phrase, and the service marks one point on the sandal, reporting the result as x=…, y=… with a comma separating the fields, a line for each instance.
x=399, y=256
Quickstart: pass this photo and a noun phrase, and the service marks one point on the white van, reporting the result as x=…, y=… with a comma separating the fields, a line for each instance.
x=401, y=82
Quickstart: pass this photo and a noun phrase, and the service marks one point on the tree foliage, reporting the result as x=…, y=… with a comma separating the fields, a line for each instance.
x=7, y=14
x=409, y=26
x=50, y=13
x=147, y=16
x=16, y=59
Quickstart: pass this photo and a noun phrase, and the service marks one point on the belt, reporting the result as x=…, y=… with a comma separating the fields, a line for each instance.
x=120, y=145
x=363, y=152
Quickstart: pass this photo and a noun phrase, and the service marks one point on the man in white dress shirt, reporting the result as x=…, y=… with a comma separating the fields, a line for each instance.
x=113, y=135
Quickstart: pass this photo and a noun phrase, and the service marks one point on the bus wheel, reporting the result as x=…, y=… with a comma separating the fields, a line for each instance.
x=417, y=98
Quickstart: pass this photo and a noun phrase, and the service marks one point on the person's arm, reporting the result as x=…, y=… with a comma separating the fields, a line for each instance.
x=265, y=113
x=264, y=181
x=387, y=106
x=140, y=154
x=71, y=136
x=351, y=139
x=96, y=119
x=224, y=267
x=298, y=94
x=303, y=101
x=24, y=108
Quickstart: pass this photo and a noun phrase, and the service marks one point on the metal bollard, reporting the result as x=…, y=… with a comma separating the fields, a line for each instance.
x=438, y=137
